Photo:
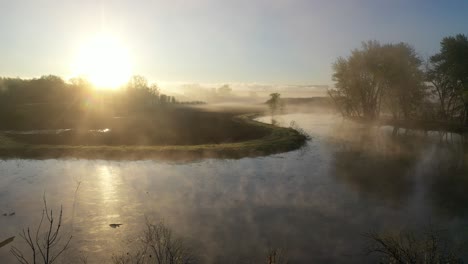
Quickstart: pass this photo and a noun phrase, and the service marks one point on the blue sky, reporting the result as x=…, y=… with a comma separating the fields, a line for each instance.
x=270, y=41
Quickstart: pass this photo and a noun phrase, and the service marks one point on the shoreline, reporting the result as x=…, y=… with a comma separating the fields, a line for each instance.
x=278, y=140
x=421, y=125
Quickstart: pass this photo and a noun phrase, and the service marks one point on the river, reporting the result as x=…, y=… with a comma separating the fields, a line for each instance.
x=316, y=203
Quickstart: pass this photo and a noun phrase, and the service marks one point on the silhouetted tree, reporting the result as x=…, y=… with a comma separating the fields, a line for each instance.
x=140, y=94
x=274, y=103
x=410, y=247
x=138, y=82
x=159, y=245
x=449, y=99
x=44, y=243
x=449, y=72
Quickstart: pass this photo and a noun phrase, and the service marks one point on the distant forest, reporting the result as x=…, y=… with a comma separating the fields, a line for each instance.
x=50, y=102
x=392, y=81
x=50, y=89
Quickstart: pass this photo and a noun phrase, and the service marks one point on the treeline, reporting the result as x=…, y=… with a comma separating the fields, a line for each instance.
x=392, y=80
x=50, y=89
x=138, y=93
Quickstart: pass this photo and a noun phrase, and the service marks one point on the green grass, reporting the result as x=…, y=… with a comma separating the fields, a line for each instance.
x=278, y=139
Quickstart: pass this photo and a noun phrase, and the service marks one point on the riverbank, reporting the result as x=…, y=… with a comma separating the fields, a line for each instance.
x=422, y=125
x=276, y=140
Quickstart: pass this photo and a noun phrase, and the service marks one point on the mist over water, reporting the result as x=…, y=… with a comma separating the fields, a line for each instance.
x=316, y=202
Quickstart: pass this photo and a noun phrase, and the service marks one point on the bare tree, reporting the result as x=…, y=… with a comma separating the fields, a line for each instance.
x=408, y=247
x=45, y=243
x=158, y=246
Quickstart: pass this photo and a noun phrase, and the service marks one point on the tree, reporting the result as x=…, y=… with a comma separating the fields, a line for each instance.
x=450, y=102
x=274, y=102
x=378, y=76
x=80, y=82
x=140, y=93
x=450, y=66
x=159, y=245
x=44, y=243
x=138, y=82
x=429, y=247
x=405, y=88
x=154, y=92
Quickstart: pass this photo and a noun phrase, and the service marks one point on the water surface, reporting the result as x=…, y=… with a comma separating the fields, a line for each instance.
x=315, y=202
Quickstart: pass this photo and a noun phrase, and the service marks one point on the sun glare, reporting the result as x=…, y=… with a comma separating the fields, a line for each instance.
x=104, y=61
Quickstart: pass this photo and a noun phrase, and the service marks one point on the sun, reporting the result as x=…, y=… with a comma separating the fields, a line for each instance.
x=104, y=61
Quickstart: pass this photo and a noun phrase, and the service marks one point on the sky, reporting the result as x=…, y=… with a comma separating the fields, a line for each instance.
x=208, y=41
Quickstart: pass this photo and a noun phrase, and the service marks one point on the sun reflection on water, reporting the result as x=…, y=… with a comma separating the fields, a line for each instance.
x=109, y=182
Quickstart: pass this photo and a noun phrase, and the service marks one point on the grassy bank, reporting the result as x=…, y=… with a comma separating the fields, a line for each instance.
x=272, y=140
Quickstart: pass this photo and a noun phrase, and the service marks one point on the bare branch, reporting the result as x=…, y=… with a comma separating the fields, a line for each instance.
x=46, y=243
